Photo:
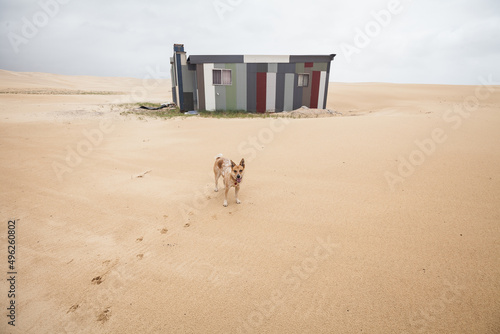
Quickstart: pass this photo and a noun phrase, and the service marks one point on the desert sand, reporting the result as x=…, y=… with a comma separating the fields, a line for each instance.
x=383, y=220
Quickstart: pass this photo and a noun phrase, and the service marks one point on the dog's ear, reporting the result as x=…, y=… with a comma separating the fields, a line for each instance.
x=242, y=163
x=232, y=164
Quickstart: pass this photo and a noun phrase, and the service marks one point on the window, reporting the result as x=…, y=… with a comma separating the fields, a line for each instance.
x=303, y=80
x=222, y=77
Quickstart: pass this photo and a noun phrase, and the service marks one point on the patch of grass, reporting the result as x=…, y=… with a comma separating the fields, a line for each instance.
x=231, y=114
x=133, y=109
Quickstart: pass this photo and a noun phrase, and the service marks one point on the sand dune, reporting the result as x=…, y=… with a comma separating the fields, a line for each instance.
x=385, y=220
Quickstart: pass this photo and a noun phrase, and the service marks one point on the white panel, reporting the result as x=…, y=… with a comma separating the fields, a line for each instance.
x=322, y=83
x=271, y=92
x=209, y=87
x=265, y=59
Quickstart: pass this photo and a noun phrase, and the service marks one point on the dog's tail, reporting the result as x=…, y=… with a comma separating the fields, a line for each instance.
x=218, y=156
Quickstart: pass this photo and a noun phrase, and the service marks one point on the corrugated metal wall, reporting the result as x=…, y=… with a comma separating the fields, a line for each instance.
x=258, y=83
x=261, y=87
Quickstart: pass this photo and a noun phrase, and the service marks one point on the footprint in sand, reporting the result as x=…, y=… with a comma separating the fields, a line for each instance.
x=73, y=308
x=97, y=280
x=104, y=316
x=139, y=239
x=164, y=231
x=187, y=225
x=140, y=256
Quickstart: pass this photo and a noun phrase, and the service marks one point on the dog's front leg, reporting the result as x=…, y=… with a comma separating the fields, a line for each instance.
x=226, y=189
x=217, y=175
x=236, y=190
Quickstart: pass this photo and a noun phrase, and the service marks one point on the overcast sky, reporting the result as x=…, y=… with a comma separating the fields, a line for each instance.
x=402, y=41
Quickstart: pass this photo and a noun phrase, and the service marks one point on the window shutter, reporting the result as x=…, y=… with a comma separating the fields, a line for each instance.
x=216, y=77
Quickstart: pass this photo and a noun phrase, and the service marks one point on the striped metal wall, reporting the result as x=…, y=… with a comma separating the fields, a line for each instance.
x=261, y=87
x=259, y=83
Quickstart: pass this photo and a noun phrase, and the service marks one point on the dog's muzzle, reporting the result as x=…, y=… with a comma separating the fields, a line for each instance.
x=238, y=178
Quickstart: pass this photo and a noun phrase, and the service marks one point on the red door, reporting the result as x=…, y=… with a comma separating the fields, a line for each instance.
x=261, y=92
x=316, y=77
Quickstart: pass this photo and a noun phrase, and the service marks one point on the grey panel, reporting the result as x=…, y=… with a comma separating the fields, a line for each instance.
x=188, y=101
x=326, y=84
x=251, y=89
x=178, y=68
x=220, y=97
x=306, y=91
x=297, y=93
x=251, y=68
x=289, y=88
x=311, y=58
x=174, y=95
x=195, y=90
x=215, y=59
x=272, y=67
x=188, y=78
x=280, y=91
x=262, y=67
x=172, y=76
x=286, y=68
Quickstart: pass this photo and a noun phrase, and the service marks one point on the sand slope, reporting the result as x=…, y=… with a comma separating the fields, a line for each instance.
x=383, y=222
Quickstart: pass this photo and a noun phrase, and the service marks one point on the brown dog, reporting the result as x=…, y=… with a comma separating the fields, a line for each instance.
x=231, y=173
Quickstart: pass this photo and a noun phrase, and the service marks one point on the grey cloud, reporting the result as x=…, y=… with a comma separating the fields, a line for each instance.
x=429, y=42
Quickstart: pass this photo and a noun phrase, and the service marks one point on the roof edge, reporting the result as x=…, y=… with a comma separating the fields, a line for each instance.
x=200, y=59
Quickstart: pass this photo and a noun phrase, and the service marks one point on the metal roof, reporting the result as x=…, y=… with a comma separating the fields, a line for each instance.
x=200, y=59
